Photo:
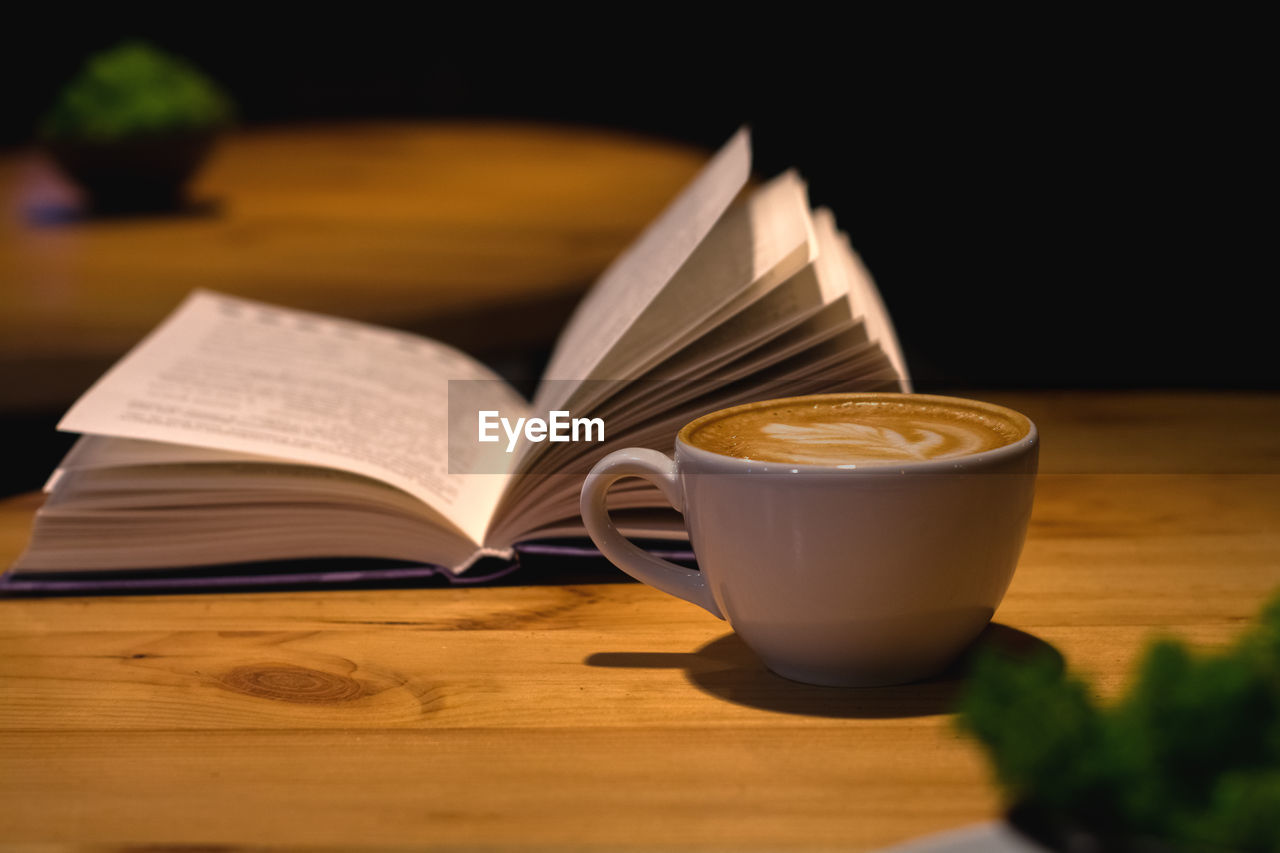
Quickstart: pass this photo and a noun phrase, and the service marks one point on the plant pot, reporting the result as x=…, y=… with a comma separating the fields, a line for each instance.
x=136, y=174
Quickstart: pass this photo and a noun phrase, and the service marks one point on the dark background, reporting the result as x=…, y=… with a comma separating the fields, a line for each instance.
x=1063, y=202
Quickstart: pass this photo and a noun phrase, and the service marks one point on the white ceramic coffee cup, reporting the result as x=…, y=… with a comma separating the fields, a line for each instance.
x=849, y=577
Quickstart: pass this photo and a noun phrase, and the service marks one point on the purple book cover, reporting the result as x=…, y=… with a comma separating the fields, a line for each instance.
x=316, y=574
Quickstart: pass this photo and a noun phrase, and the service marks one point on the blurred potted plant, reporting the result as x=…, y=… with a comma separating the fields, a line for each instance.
x=1187, y=760
x=133, y=126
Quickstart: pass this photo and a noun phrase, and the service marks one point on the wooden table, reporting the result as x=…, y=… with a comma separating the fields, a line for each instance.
x=604, y=715
x=482, y=234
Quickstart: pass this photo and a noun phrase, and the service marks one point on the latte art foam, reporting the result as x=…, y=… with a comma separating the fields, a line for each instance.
x=857, y=429
x=831, y=443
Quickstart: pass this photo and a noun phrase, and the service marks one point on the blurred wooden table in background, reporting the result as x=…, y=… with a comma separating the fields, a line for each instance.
x=604, y=715
x=481, y=234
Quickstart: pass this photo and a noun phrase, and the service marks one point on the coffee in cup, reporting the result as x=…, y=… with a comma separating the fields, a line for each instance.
x=849, y=539
x=845, y=431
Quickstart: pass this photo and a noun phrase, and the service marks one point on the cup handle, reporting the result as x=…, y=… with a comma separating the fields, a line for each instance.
x=660, y=470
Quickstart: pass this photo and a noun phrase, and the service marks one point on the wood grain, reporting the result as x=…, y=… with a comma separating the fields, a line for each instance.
x=430, y=226
x=1151, y=432
x=595, y=715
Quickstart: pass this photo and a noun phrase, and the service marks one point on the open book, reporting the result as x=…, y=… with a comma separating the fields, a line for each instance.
x=239, y=432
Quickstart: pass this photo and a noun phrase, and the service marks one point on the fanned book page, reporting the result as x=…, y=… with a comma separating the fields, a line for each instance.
x=641, y=272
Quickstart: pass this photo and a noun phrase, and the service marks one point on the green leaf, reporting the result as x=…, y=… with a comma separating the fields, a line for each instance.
x=1190, y=754
x=135, y=89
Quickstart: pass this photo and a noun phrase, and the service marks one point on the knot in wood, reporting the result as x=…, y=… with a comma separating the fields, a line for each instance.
x=289, y=683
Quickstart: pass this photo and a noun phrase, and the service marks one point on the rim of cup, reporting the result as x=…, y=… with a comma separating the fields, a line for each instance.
x=927, y=466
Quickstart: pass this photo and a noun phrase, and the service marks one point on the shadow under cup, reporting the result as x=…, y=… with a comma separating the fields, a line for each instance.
x=838, y=576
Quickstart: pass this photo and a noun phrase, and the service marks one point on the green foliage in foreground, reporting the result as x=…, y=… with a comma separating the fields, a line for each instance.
x=135, y=89
x=1190, y=755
